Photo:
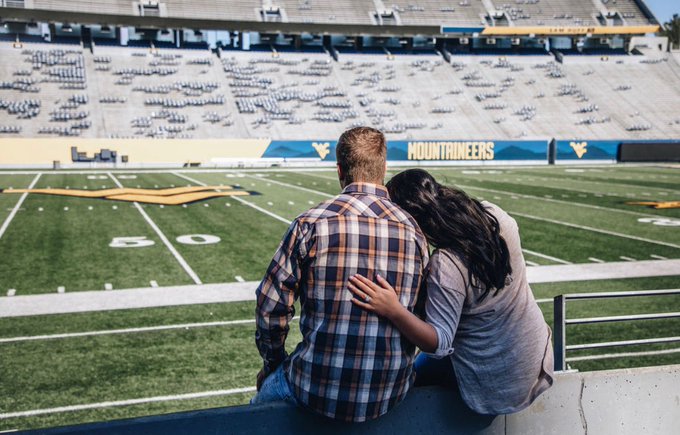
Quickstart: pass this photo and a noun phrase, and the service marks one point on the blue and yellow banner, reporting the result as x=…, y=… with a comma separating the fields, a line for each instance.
x=587, y=149
x=421, y=150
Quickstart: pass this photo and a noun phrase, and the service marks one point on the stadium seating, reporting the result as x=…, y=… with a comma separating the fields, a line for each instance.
x=57, y=90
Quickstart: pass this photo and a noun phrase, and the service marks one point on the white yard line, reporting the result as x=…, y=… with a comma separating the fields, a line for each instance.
x=595, y=260
x=163, y=238
x=547, y=257
x=262, y=210
x=622, y=355
x=304, y=189
x=130, y=330
x=306, y=172
x=14, y=211
x=531, y=263
x=128, y=402
x=249, y=204
x=124, y=331
x=559, y=201
x=658, y=257
x=597, y=230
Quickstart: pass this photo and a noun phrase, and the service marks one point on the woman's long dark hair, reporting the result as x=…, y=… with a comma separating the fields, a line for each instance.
x=452, y=220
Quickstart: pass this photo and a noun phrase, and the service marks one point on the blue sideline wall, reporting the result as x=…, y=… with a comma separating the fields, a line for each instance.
x=629, y=401
x=25, y=152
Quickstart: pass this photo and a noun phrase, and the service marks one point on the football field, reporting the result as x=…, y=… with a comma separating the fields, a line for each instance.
x=69, y=368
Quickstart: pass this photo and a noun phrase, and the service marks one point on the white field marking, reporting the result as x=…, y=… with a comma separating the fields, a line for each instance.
x=316, y=192
x=40, y=209
x=126, y=402
x=11, y=292
x=206, y=205
x=108, y=286
x=291, y=203
x=163, y=238
x=269, y=203
x=227, y=204
x=622, y=355
x=595, y=260
x=16, y=208
x=530, y=263
x=249, y=204
x=153, y=284
x=125, y=331
x=319, y=176
x=604, y=184
x=544, y=301
x=627, y=258
x=89, y=207
x=658, y=257
x=115, y=207
x=260, y=209
x=540, y=198
x=65, y=208
x=61, y=289
x=239, y=278
x=547, y=257
x=597, y=230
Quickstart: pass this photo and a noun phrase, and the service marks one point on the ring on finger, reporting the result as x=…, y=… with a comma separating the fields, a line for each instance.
x=367, y=298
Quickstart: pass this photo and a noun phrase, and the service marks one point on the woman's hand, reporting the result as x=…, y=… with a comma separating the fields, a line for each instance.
x=380, y=299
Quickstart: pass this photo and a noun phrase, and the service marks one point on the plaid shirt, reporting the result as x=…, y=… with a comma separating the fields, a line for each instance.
x=351, y=364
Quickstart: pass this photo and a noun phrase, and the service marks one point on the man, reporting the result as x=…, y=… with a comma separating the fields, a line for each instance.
x=351, y=364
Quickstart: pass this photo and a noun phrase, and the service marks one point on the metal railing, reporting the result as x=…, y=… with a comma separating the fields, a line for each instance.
x=561, y=322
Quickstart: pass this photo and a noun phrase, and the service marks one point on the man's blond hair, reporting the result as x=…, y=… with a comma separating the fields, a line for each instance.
x=361, y=154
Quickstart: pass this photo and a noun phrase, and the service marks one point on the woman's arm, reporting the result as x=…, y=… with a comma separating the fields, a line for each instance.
x=382, y=300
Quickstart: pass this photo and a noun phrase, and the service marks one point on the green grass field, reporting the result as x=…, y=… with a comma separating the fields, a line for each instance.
x=565, y=214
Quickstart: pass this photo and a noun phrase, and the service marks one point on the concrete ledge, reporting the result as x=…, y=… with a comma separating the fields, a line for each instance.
x=99, y=300
x=631, y=401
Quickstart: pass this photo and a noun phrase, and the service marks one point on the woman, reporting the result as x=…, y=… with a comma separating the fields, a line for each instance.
x=483, y=330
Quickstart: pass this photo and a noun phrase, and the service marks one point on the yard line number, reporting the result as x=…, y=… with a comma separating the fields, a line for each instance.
x=664, y=222
x=142, y=241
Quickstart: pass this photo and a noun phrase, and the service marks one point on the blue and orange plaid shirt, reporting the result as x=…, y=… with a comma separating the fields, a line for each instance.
x=351, y=364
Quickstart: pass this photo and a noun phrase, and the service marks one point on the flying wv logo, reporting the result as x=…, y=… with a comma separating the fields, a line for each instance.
x=579, y=148
x=170, y=196
x=322, y=149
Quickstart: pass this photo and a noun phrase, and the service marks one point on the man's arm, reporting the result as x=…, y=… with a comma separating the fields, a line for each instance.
x=275, y=297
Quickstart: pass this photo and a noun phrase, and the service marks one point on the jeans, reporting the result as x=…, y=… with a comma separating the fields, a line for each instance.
x=433, y=371
x=275, y=388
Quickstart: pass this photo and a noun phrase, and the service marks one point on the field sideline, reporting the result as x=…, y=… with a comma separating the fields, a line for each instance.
x=69, y=368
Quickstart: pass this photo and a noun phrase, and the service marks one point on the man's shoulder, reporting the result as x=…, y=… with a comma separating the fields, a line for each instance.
x=324, y=210
x=356, y=206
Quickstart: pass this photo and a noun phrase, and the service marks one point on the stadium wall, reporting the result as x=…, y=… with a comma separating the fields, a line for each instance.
x=24, y=152
x=629, y=401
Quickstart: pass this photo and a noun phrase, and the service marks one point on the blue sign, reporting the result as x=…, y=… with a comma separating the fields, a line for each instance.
x=425, y=150
x=587, y=149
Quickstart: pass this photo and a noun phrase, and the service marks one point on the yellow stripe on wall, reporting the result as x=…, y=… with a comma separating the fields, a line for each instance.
x=23, y=151
x=569, y=30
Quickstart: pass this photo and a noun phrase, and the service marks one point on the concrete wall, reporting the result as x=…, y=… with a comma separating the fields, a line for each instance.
x=631, y=401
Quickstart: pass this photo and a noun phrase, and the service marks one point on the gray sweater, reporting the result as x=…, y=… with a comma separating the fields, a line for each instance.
x=501, y=347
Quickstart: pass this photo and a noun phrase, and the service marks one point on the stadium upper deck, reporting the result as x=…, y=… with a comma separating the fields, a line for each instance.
x=474, y=13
